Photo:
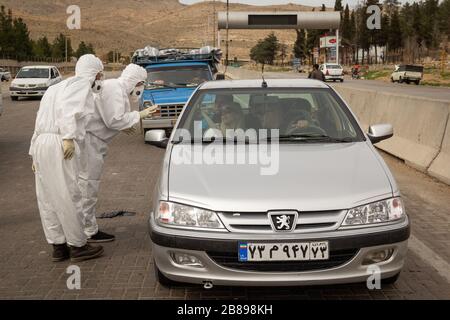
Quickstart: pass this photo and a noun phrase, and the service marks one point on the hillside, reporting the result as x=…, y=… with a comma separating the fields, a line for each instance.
x=131, y=24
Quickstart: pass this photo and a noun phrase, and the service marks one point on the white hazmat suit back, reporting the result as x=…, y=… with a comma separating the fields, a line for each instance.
x=62, y=116
x=112, y=114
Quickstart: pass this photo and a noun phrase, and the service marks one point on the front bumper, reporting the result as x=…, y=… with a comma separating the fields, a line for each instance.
x=161, y=123
x=29, y=92
x=362, y=242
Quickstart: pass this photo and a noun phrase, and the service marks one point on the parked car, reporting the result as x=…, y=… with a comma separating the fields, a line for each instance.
x=407, y=73
x=5, y=75
x=33, y=81
x=331, y=210
x=332, y=71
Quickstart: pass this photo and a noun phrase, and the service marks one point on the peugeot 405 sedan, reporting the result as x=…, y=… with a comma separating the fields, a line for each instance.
x=274, y=183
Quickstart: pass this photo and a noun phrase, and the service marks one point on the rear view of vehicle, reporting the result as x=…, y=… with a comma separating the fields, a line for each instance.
x=173, y=75
x=407, y=73
x=332, y=72
x=33, y=81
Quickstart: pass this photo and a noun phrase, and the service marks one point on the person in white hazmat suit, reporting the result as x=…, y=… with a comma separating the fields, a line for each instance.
x=112, y=115
x=60, y=126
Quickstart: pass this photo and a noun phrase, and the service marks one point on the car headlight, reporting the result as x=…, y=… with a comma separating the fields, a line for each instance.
x=378, y=212
x=42, y=85
x=174, y=214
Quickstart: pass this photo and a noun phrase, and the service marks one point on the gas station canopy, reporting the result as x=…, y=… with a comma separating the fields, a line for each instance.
x=280, y=20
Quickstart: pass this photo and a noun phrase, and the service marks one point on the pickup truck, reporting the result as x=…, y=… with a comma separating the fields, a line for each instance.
x=407, y=73
x=173, y=75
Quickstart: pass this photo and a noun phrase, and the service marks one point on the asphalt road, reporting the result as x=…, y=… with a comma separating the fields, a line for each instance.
x=436, y=93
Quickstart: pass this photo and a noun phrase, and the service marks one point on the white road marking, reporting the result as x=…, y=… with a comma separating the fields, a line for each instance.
x=430, y=257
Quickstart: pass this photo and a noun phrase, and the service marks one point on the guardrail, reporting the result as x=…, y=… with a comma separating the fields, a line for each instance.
x=422, y=131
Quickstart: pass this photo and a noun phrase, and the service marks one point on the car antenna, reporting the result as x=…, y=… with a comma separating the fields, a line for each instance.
x=264, y=83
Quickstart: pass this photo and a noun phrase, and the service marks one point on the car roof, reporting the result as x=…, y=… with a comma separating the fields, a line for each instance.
x=257, y=83
x=38, y=67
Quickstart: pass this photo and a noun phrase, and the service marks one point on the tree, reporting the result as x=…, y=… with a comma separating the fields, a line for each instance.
x=283, y=52
x=265, y=51
x=338, y=6
x=42, y=48
x=22, y=42
x=83, y=49
x=59, y=47
x=299, y=50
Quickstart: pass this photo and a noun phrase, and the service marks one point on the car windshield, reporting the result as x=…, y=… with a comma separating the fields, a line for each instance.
x=299, y=115
x=188, y=76
x=27, y=73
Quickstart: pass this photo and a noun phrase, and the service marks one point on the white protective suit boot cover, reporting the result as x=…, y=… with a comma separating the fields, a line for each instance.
x=58, y=192
x=93, y=155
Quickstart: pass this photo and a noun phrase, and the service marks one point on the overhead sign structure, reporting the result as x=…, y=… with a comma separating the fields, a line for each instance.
x=280, y=20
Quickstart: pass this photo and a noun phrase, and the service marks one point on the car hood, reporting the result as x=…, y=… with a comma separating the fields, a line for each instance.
x=311, y=177
x=29, y=81
x=168, y=95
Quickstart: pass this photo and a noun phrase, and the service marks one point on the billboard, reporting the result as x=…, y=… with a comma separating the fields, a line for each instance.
x=328, y=42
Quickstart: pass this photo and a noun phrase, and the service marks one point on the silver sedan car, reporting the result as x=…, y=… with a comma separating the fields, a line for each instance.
x=274, y=183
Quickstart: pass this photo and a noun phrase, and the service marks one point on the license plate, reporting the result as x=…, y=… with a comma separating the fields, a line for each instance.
x=303, y=251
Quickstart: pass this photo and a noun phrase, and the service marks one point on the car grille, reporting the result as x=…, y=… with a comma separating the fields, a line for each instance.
x=230, y=260
x=171, y=110
x=258, y=222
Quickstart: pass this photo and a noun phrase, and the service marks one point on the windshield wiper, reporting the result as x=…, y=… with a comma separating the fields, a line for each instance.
x=234, y=140
x=314, y=138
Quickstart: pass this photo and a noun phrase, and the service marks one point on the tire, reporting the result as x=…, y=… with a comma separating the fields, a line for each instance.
x=417, y=82
x=390, y=280
x=400, y=80
x=342, y=80
x=14, y=98
x=392, y=80
x=407, y=82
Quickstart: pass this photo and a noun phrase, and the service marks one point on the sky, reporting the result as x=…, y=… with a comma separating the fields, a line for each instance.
x=328, y=3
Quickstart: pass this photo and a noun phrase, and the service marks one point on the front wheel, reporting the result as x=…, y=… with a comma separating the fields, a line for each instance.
x=342, y=80
x=400, y=80
x=14, y=98
x=392, y=80
x=417, y=82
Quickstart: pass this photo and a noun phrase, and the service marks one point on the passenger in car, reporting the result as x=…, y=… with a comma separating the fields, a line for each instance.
x=232, y=117
x=221, y=101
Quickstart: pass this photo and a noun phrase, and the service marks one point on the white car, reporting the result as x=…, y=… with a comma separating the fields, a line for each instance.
x=407, y=73
x=33, y=81
x=5, y=75
x=332, y=71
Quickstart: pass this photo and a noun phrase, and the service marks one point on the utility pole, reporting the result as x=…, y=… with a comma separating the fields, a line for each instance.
x=214, y=23
x=65, y=37
x=227, y=44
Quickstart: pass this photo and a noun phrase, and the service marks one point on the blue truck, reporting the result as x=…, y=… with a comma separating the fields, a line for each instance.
x=173, y=75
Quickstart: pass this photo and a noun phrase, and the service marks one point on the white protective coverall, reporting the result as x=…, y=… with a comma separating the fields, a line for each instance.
x=62, y=115
x=112, y=114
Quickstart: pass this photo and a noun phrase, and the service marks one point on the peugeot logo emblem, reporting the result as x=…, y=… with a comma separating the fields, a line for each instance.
x=283, y=221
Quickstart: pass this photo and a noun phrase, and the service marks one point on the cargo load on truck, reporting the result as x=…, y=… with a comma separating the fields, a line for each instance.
x=151, y=55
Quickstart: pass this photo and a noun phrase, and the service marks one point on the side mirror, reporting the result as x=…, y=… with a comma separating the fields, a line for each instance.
x=380, y=132
x=157, y=138
x=220, y=76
